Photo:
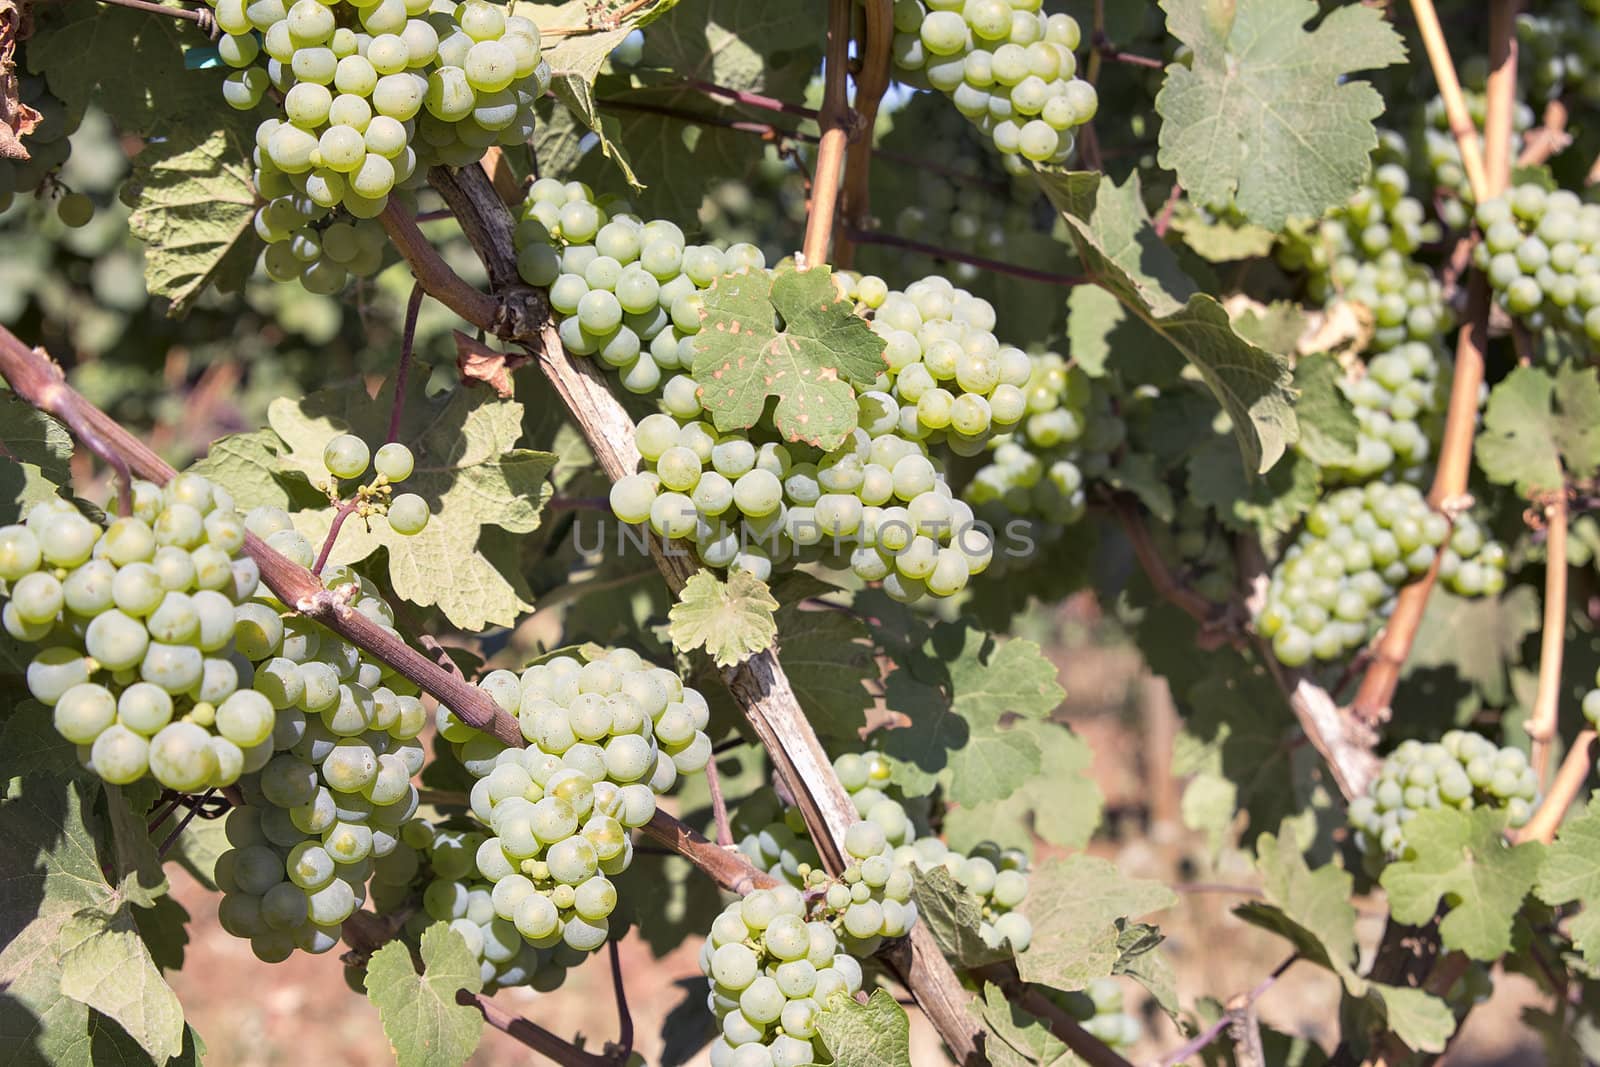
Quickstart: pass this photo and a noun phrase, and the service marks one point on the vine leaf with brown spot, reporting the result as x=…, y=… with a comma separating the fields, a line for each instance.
x=789, y=334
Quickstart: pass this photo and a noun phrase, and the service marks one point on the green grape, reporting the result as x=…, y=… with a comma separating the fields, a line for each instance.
x=394, y=461
x=408, y=514
x=181, y=757
x=346, y=456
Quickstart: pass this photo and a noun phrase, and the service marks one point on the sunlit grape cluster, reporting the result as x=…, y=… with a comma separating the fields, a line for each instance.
x=1363, y=253
x=1541, y=251
x=776, y=841
x=325, y=811
x=771, y=973
x=628, y=291
x=1007, y=66
x=347, y=457
x=457, y=893
x=604, y=738
x=1338, y=580
x=1472, y=563
x=144, y=634
x=48, y=147
x=373, y=94
x=1399, y=399
x=1462, y=770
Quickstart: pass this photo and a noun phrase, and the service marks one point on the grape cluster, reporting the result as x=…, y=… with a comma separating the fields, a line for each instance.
x=325, y=811
x=1007, y=66
x=1099, y=1009
x=1399, y=402
x=347, y=457
x=771, y=973
x=456, y=892
x=1364, y=252
x=1199, y=551
x=143, y=627
x=372, y=94
x=1472, y=563
x=1562, y=52
x=1541, y=251
x=628, y=291
x=996, y=877
x=604, y=738
x=1339, y=579
x=48, y=148
x=1462, y=770
x=320, y=247
x=1442, y=154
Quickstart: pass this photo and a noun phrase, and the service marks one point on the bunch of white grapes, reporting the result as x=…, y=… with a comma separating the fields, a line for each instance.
x=454, y=891
x=1004, y=64
x=1099, y=1009
x=1339, y=579
x=604, y=738
x=48, y=147
x=320, y=247
x=1462, y=770
x=628, y=292
x=1541, y=251
x=1562, y=52
x=1399, y=401
x=1472, y=563
x=372, y=94
x=772, y=972
x=878, y=504
x=1442, y=154
x=1363, y=253
x=145, y=634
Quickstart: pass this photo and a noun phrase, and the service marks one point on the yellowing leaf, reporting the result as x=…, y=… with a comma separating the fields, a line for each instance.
x=731, y=620
x=424, y=1023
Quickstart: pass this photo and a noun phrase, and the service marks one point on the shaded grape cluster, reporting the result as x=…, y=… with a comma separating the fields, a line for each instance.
x=48, y=147
x=604, y=738
x=1199, y=551
x=1562, y=52
x=628, y=292
x=1462, y=770
x=1399, y=399
x=144, y=630
x=1100, y=1010
x=1007, y=66
x=1541, y=251
x=772, y=972
x=323, y=815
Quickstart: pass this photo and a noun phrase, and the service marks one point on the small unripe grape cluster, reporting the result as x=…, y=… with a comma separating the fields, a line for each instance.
x=1338, y=581
x=772, y=972
x=1099, y=1009
x=871, y=900
x=455, y=891
x=1363, y=253
x=1541, y=251
x=48, y=148
x=1004, y=64
x=1462, y=770
x=604, y=738
x=145, y=659
x=323, y=814
x=629, y=292
x=1199, y=551
x=1562, y=53
x=347, y=457
x=994, y=876
x=1399, y=403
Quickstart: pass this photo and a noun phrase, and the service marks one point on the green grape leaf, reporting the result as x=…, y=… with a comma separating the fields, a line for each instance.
x=1475, y=637
x=194, y=208
x=479, y=487
x=164, y=929
x=1267, y=506
x=582, y=116
x=1061, y=805
x=1461, y=855
x=731, y=620
x=425, y=1024
x=1277, y=327
x=1099, y=324
x=742, y=355
x=1420, y=1019
x=1537, y=426
x=827, y=656
x=246, y=465
x=86, y=54
x=1266, y=116
x=1139, y=957
x=1328, y=425
x=1238, y=731
x=953, y=916
x=874, y=1034
x=1120, y=250
x=1220, y=240
x=63, y=893
x=28, y=435
x=1075, y=905
x=956, y=687
x=1571, y=872
x=106, y=965
x=29, y=743
x=1310, y=908
x=1023, y=1039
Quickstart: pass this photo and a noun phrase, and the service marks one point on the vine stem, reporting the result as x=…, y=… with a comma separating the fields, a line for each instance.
x=624, y=1017
x=877, y=41
x=1235, y=1011
x=758, y=685
x=199, y=17
x=402, y=373
x=532, y=1034
x=39, y=381
x=1564, y=790
x=1155, y=568
x=1541, y=725
x=891, y=240
x=1376, y=692
x=835, y=122
x=725, y=95
x=1455, y=103
x=345, y=511
x=1062, y=1025
x=719, y=806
